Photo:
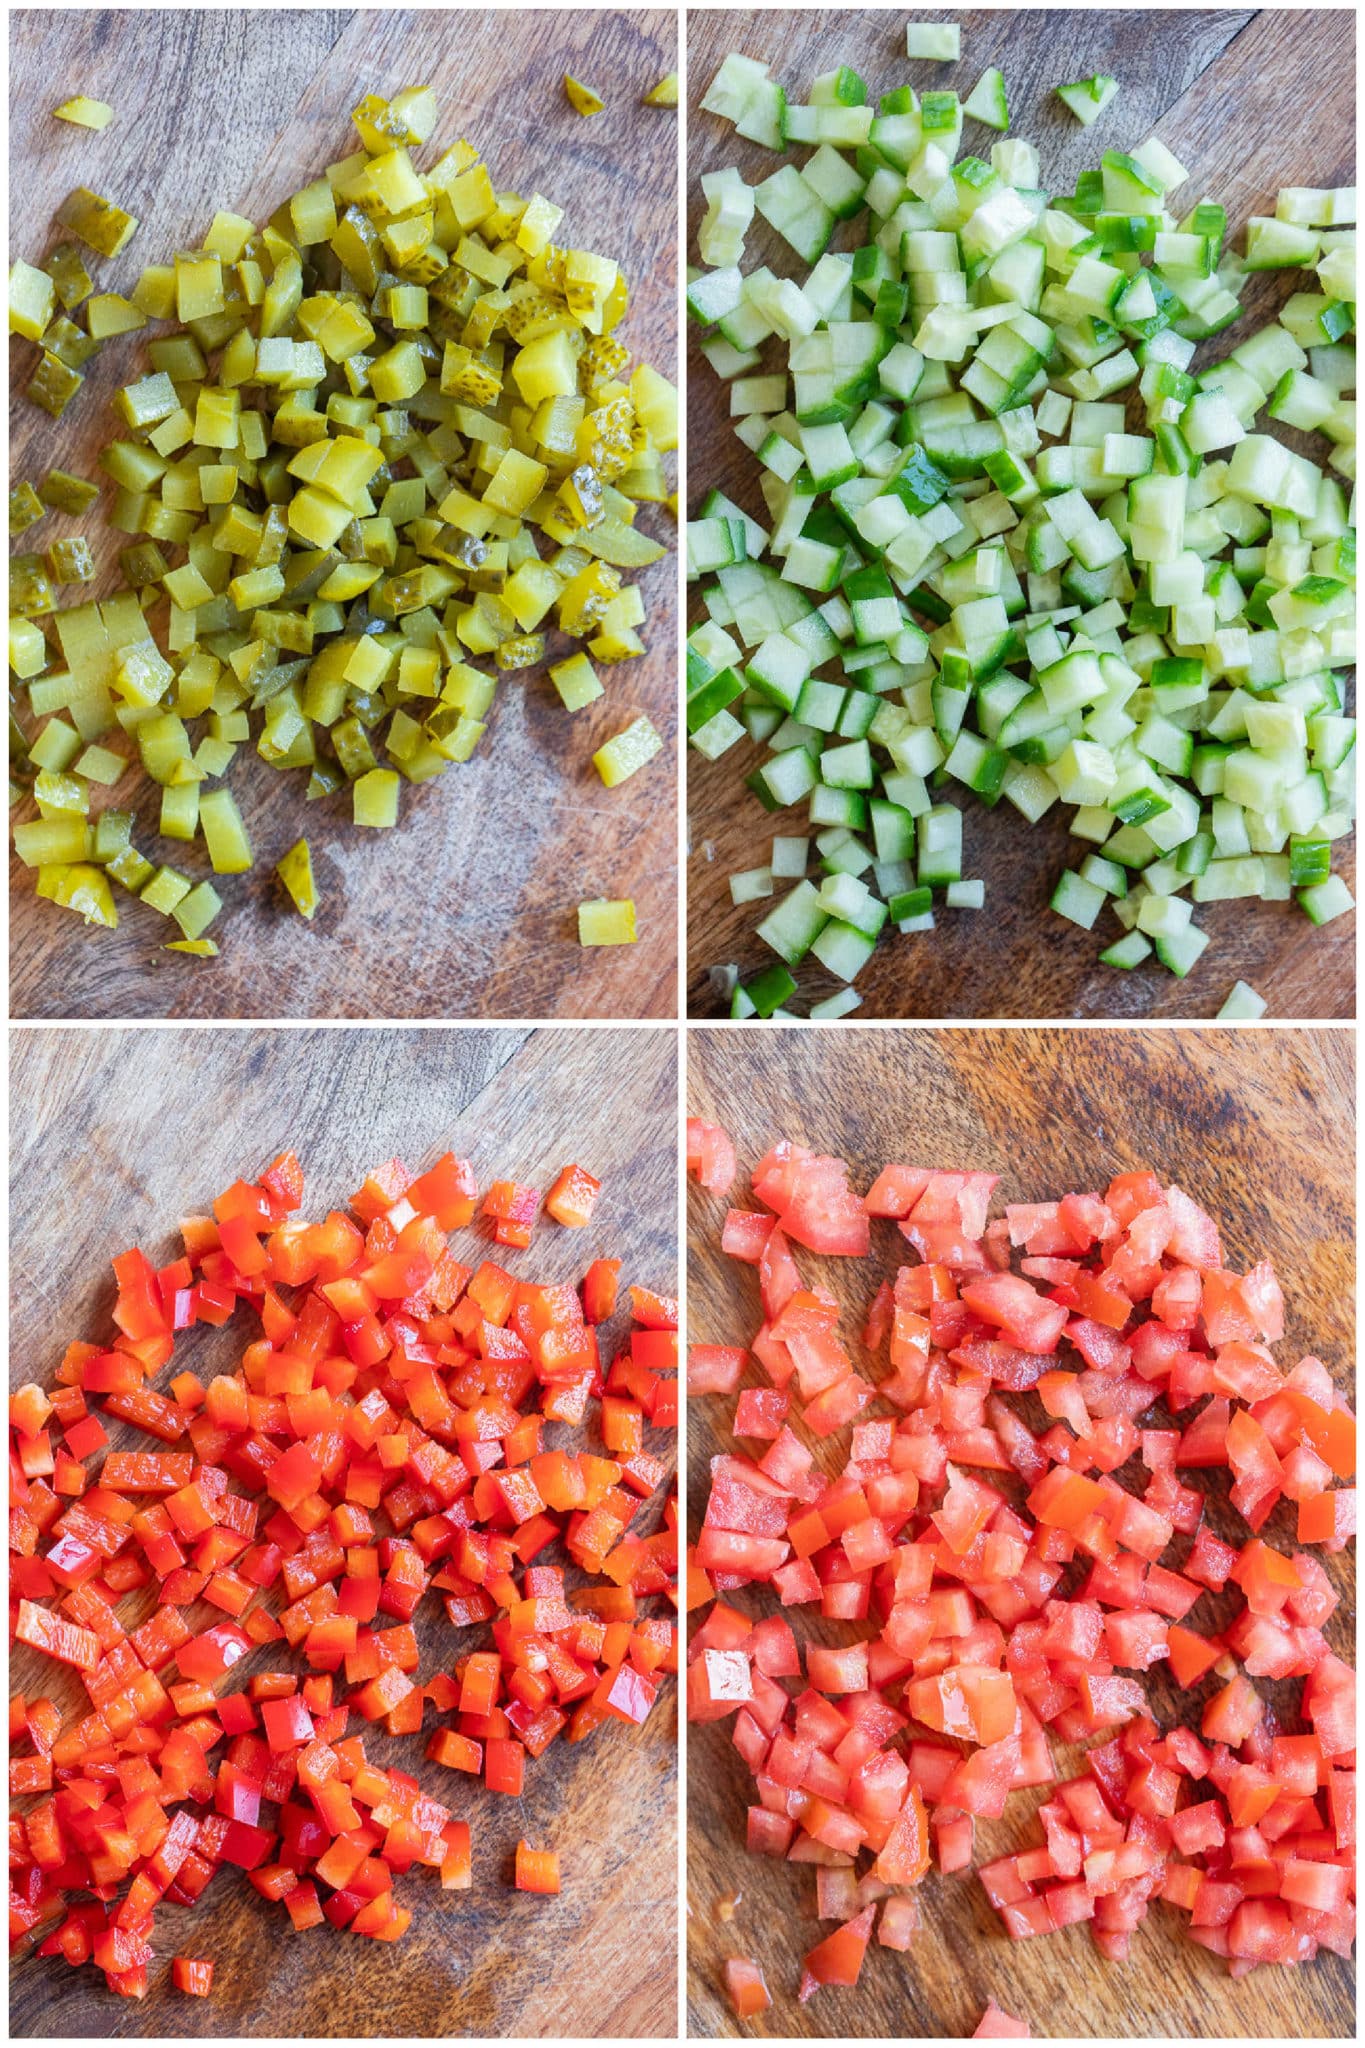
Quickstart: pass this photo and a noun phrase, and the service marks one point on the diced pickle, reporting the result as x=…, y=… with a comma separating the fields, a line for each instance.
x=628, y=752
x=53, y=386
x=84, y=113
x=131, y=869
x=109, y=313
x=32, y=296
x=374, y=798
x=86, y=890
x=295, y=870
x=69, y=343
x=520, y=650
x=166, y=888
x=393, y=443
x=28, y=655
x=26, y=508
x=101, y=225
x=224, y=833
x=143, y=564
x=63, y=492
x=66, y=267
x=70, y=561
x=30, y=587
x=607, y=922
x=576, y=681
x=581, y=97
x=195, y=912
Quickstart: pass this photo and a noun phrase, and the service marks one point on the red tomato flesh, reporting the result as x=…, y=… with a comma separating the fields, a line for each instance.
x=1002, y=1516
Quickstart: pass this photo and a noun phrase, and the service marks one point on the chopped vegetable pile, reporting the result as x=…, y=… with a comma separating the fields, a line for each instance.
x=390, y=1432
x=1014, y=1542
x=389, y=446
x=1012, y=538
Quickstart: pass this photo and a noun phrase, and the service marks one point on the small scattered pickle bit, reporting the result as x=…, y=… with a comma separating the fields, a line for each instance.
x=201, y=949
x=627, y=753
x=576, y=681
x=295, y=870
x=607, y=921
x=97, y=222
x=665, y=93
x=84, y=113
x=62, y=492
x=581, y=97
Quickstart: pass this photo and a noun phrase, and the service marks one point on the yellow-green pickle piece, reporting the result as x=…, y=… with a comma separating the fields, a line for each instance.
x=84, y=113
x=296, y=872
x=365, y=459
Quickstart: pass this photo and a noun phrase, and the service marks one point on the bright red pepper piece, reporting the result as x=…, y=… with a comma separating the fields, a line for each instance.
x=383, y=1377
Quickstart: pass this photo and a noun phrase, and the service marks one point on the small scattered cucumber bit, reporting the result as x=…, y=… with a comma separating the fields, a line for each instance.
x=987, y=103
x=1088, y=97
x=838, y=1005
x=1241, y=1004
x=940, y=41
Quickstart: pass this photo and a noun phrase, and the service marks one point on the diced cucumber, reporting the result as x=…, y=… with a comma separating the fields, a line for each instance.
x=794, y=924
x=1241, y=1004
x=1129, y=951
x=843, y=949
x=940, y=846
x=1148, y=621
x=1077, y=900
x=1327, y=900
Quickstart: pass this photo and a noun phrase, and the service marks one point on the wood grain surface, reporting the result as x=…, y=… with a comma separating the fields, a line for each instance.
x=1258, y=1126
x=114, y=1136
x=467, y=908
x=1249, y=102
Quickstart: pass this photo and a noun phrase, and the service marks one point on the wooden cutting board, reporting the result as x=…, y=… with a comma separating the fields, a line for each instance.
x=468, y=907
x=1249, y=102
x=115, y=1136
x=1257, y=1126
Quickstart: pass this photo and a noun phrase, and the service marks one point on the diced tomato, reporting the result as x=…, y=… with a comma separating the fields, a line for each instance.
x=997, y=2025
x=710, y=1156
x=745, y=1985
x=838, y=1959
x=919, y=1531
